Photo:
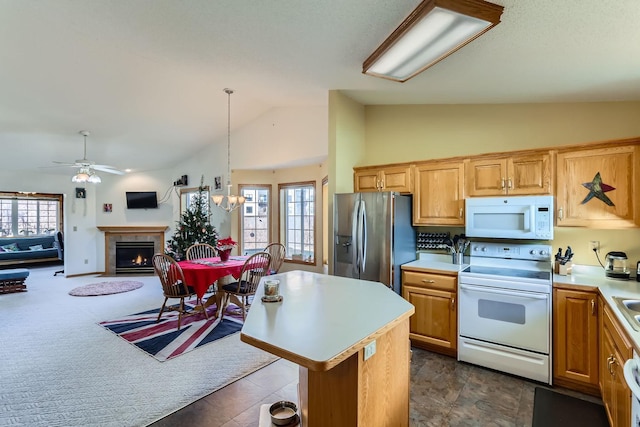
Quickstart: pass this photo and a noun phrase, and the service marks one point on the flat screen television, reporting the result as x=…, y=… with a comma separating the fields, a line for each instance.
x=142, y=200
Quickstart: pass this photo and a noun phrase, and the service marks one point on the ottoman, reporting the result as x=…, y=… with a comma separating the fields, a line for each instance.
x=12, y=280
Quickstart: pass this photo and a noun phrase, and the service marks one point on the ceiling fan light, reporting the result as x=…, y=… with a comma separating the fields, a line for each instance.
x=94, y=179
x=81, y=176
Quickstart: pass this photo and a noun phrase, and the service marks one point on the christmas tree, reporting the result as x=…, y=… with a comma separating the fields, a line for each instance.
x=193, y=227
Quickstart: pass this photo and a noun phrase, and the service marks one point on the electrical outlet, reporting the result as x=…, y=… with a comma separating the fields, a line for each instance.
x=369, y=350
x=594, y=244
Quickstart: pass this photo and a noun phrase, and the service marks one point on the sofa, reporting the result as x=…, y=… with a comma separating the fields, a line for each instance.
x=29, y=250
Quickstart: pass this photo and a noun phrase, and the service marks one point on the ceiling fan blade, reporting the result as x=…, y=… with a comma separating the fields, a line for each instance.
x=61, y=164
x=108, y=169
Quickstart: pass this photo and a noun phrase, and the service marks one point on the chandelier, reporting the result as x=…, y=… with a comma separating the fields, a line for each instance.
x=228, y=202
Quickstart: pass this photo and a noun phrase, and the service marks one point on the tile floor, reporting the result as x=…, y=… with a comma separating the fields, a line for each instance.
x=444, y=392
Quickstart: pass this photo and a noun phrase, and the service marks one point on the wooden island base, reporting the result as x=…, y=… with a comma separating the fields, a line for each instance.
x=358, y=392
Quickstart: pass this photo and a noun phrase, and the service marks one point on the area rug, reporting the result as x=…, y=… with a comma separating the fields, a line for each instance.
x=163, y=340
x=553, y=409
x=105, y=288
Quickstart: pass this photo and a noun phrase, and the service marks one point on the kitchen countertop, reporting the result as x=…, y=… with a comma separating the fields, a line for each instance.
x=435, y=263
x=308, y=325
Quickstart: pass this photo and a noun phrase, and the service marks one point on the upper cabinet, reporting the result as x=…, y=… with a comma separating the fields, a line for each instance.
x=390, y=178
x=438, y=197
x=517, y=174
x=598, y=187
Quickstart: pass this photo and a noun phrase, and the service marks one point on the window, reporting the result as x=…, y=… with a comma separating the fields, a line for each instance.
x=297, y=221
x=30, y=214
x=188, y=195
x=255, y=221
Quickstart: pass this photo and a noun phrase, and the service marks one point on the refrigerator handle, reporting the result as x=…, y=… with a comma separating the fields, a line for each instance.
x=363, y=235
x=354, y=236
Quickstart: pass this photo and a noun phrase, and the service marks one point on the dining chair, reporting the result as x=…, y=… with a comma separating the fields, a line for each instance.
x=173, y=285
x=277, y=252
x=254, y=268
x=200, y=250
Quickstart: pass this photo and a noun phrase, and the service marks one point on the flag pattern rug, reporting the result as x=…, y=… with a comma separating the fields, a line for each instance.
x=163, y=340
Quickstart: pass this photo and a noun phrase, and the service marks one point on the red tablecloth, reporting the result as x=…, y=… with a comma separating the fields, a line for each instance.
x=201, y=276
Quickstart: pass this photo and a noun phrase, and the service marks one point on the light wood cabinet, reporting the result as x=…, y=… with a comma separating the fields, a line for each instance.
x=617, y=167
x=434, y=324
x=517, y=174
x=389, y=178
x=575, y=339
x=615, y=350
x=438, y=197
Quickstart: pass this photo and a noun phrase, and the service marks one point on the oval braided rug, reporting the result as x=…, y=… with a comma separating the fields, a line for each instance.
x=105, y=288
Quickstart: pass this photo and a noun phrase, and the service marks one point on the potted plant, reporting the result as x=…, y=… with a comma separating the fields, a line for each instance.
x=224, y=247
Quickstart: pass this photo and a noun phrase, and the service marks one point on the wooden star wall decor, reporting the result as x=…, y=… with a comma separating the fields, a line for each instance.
x=597, y=189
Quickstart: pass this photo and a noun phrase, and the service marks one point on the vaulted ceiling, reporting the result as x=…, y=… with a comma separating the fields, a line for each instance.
x=147, y=75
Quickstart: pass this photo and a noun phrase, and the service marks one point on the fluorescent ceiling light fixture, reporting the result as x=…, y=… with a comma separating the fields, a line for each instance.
x=433, y=31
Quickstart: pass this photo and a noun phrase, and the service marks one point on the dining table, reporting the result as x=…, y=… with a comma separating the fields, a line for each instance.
x=204, y=272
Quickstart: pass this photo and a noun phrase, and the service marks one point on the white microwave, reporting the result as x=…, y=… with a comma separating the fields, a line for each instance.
x=510, y=217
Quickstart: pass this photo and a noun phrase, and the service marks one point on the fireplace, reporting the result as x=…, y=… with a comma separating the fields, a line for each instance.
x=134, y=257
x=135, y=238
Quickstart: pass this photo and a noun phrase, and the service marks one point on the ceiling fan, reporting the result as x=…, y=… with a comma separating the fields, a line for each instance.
x=87, y=168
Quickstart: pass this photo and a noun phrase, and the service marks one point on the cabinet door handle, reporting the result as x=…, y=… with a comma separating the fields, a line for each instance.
x=453, y=304
x=461, y=212
x=593, y=307
x=509, y=184
x=502, y=184
x=428, y=281
x=560, y=213
x=609, y=362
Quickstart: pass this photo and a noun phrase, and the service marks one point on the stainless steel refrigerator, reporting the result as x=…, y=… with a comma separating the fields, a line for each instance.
x=373, y=236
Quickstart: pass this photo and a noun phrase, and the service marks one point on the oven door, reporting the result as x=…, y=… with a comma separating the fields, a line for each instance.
x=509, y=317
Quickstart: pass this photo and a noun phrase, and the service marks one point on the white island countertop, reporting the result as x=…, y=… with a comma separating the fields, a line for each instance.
x=322, y=319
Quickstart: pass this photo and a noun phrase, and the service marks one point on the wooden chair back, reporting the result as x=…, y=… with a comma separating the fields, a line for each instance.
x=277, y=252
x=171, y=277
x=200, y=250
x=254, y=268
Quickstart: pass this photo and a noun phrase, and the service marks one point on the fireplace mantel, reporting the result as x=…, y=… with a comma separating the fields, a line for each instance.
x=129, y=233
x=132, y=228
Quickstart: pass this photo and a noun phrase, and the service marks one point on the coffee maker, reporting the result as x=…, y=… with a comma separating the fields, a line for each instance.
x=616, y=265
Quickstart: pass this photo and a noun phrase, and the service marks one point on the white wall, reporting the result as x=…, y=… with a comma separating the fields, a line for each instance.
x=281, y=135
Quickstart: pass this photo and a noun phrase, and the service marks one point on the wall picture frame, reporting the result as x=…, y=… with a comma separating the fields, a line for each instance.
x=217, y=183
x=81, y=193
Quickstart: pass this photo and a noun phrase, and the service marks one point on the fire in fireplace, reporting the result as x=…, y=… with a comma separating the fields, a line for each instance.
x=134, y=257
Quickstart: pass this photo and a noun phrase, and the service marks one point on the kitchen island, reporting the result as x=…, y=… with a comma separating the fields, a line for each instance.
x=328, y=325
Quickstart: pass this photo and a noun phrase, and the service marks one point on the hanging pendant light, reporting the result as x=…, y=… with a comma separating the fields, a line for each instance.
x=228, y=202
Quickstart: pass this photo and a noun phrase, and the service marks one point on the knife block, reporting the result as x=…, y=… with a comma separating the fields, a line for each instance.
x=562, y=269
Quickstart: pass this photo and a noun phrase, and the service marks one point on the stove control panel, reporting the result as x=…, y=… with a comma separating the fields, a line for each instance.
x=533, y=252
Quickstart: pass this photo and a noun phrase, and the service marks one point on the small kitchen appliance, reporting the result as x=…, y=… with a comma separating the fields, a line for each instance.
x=615, y=265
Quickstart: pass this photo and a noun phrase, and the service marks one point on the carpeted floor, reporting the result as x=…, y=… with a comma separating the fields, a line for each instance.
x=553, y=409
x=60, y=368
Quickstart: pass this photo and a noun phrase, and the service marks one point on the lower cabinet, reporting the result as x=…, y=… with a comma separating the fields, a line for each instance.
x=615, y=350
x=575, y=339
x=434, y=324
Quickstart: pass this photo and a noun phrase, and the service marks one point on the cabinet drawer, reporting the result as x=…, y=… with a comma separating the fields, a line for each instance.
x=428, y=280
